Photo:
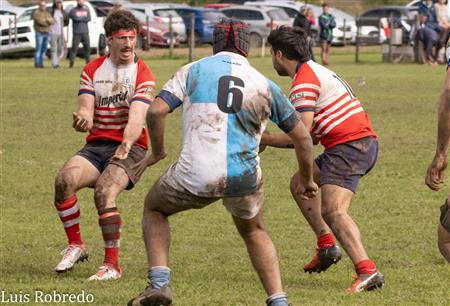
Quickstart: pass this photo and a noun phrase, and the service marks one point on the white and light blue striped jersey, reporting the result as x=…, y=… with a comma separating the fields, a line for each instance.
x=226, y=105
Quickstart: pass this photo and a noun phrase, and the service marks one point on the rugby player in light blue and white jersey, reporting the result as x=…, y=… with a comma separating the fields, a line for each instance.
x=226, y=106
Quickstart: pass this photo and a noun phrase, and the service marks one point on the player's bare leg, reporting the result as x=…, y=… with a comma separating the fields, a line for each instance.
x=109, y=185
x=443, y=233
x=327, y=253
x=263, y=255
x=77, y=173
x=444, y=242
x=335, y=203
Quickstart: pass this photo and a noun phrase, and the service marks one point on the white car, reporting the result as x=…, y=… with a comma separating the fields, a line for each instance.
x=26, y=36
x=292, y=8
x=161, y=13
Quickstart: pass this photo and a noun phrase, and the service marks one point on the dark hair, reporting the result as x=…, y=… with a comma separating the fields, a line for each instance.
x=55, y=2
x=292, y=42
x=325, y=5
x=120, y=20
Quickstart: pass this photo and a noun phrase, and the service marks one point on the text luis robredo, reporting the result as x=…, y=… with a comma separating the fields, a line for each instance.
x=42, y=297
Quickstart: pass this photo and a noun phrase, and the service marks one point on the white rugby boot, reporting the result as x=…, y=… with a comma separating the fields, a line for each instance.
x=106, y=272
x=71, y=255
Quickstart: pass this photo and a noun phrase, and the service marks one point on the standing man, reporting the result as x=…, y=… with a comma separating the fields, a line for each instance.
x=226, y=104
x=334, y=116
x=115, y=92
x=80, y=16
x=326, y=24
x=42, y=22
x=435, y=173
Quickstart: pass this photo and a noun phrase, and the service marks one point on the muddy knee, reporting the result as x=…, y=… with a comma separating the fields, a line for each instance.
x=65, y=185
x=103, y=197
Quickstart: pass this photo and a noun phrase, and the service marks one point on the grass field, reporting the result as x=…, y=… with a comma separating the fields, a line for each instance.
x=396, y=213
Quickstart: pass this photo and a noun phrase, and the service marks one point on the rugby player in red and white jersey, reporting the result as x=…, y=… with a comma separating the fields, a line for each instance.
x=336, y=119
x=435, y=172
x=115, y=93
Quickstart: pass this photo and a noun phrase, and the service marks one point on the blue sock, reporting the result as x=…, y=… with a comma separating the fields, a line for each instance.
x=277, y=299
x=158, y=276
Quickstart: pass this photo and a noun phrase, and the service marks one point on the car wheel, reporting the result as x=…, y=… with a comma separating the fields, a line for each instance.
x=255, y=40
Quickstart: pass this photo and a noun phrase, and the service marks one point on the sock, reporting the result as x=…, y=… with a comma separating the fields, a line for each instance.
x=277, y=299
x=365, y=266
x=158, y=276
x=325, y=241
x=69, y=214
x=110, y=224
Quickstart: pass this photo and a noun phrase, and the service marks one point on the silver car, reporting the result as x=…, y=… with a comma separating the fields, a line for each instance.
x=261, y=20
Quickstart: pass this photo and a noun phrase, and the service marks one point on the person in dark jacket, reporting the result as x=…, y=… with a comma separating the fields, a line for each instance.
x=80, y=16
x=302, y=21
x=327, y=23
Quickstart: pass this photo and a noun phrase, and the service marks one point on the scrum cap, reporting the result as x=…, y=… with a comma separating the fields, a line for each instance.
x=230, y=35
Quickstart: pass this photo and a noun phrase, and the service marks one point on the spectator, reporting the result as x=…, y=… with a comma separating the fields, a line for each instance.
x=443, y=20
x=327, y=23
x=42, y=22
x=80, y=16
x=302, y=21
x=427, y=35
x=310, y=16
x=61, y=19
x=117, y=6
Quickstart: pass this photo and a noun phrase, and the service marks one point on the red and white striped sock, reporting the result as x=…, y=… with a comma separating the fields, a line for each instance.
x=69, y=214
x=110, y=224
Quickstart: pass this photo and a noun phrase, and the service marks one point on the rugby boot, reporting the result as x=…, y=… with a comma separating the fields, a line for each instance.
x=323, y=259
x=71, y=255
x=106, y=272
x=153, y=297
x=366, y=282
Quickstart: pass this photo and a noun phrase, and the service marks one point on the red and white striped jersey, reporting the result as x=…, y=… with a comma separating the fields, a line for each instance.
x=338, y=114
x=115, y=88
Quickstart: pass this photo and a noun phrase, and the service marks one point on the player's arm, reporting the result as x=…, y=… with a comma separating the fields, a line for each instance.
x=281, y=140
x=304, y=151
x=435, y=173
x=133, y=129
x=83, y=119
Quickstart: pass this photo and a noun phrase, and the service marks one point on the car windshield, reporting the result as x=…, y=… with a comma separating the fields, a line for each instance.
x=139, y=15
x=166, y=13
x=213, y=16
x=278, y=14
x=26, y=16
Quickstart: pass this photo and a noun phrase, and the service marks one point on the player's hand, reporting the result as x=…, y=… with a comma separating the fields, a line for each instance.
x=307, y=190
x=122, y=150
x=81, y=122
x=435, y=172
x=147, y=162
x=315, y=140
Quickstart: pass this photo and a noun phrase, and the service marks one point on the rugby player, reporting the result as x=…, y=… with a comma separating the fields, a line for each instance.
x=334, y=116
x=226, y=106
x=435, y=173
x=114, y=95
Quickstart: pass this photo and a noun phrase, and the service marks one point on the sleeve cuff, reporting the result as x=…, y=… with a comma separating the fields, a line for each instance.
x=170, y=99
x=85, y=91
x=290, y=122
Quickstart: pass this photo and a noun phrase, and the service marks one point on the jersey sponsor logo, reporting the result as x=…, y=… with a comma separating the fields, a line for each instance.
x=114, y=99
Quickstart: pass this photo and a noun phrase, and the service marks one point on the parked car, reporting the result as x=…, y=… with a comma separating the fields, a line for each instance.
x=339, y=33
x=158, y=31
x=102, y=7
x=8, y=13
x=369, y=21
x=26, y=36
x=161, y=13
x=261, y=20
x=205, y=19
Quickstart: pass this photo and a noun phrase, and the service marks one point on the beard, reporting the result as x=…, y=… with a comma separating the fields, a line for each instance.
x=280, y=70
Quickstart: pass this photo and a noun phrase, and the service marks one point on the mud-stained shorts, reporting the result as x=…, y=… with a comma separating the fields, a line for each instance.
x=344, y=164
x=445, y=215
x=100, y=152
x=169, y=197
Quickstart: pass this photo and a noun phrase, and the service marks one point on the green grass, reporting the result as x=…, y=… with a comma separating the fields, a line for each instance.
x=396, y=213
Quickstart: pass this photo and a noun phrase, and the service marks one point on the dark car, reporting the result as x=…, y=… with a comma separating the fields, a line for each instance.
x=205, y=19
x=369, y=21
